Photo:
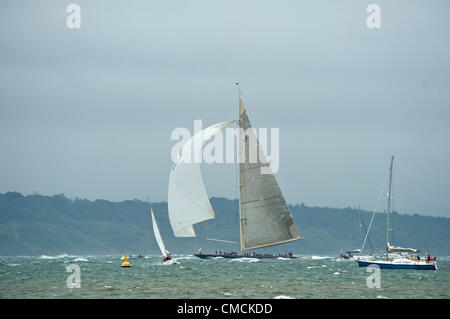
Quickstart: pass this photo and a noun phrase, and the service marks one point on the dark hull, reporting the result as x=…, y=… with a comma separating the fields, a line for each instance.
x=210, y=256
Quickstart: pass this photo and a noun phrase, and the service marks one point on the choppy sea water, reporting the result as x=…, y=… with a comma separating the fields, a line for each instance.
x=194, y=278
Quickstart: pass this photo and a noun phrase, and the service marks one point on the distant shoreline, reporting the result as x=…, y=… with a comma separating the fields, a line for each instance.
x=35, y=225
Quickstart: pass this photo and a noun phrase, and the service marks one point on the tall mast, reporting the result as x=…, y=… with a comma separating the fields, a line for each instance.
x=238, y=168
x=389, y=205
x=264, y=217
x=360, y=227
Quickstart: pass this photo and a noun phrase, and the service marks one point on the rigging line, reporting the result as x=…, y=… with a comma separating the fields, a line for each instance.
x=404, y=179
x=373, y=215
x=220, y=240
x=365, y=229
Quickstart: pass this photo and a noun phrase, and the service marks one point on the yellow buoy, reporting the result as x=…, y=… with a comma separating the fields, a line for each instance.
x=126, y=263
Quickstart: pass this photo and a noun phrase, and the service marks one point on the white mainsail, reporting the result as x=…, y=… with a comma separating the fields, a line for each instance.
x=158, y=236
x=188, y=202
x=397, y=249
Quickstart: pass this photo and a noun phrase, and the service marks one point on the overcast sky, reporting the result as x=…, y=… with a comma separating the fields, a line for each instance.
x=89, y=112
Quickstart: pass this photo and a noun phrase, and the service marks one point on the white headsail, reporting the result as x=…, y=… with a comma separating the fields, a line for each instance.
x=188, y=202
x=158, y=236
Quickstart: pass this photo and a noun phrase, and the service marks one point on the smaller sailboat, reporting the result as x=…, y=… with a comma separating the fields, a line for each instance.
x=348, y=255
x=167, y=259
x=398, y=257
x=355, y=254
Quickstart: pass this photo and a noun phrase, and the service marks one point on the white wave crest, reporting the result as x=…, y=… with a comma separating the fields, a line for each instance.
x=187, y=257
x=245, y=259
x=283, y=297
x=55, y=257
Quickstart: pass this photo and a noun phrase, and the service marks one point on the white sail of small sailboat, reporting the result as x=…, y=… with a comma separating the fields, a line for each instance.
x=404, y=260
x=166, y=257
x=264, y=216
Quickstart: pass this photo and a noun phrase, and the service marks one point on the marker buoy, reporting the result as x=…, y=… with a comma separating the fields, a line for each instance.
x=126, y=263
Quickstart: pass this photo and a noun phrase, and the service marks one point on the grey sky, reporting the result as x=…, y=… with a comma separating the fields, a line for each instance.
x=89, y=112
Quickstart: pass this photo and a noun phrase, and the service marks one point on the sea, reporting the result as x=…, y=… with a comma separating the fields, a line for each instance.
x=309, y=276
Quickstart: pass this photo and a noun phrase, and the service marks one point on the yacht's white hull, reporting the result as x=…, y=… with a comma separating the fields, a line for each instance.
x=400, y=263
x=170, y=262
x=354, y=258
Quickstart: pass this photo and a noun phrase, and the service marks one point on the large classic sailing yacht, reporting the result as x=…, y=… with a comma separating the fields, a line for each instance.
x=264, y=216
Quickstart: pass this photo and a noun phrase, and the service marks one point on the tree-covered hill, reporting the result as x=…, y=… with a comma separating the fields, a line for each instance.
x=48, y=225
